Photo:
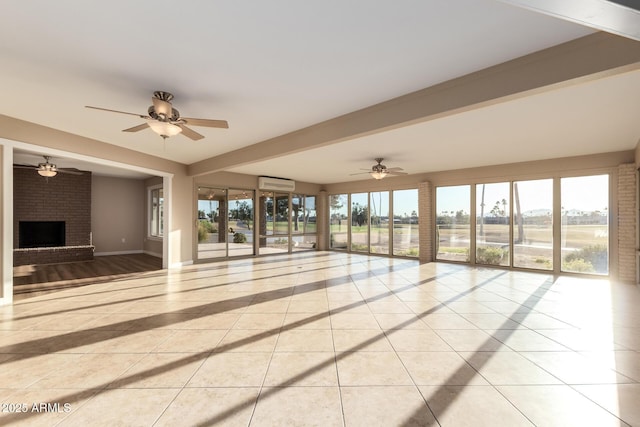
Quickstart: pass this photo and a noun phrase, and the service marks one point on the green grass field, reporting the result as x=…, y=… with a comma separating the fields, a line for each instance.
x=534, y=251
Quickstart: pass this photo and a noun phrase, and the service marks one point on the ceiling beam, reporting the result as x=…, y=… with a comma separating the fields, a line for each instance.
x=588, y=58
x=45, y=137
x=621, y=17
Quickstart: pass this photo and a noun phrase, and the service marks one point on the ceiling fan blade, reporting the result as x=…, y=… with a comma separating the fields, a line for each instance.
x=116, y=111
x=190, y=133
x=136, y=128
x=358, y=173
x=70, y=171
x=25, y=167
x=394, y=169
x=206, y=123
x=396, y=172
x=161, y=107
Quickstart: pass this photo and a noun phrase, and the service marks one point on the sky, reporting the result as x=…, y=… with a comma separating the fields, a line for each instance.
x=587, y=194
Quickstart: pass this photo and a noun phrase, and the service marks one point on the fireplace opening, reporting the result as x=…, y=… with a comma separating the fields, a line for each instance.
x=41, y=234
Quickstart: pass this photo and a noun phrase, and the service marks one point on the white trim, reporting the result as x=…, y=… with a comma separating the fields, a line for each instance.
x=167, y=247
x=6, y=206
x=150, y=190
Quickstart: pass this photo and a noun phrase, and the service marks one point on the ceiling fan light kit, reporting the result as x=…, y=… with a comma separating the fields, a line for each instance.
x=47, y=169
x=164, y=129
x=380, y=171
x=166, y=121
x=379, y=174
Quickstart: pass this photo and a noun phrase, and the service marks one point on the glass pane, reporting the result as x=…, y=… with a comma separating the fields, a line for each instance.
x=338, y=215
x=492, y=223
x=267, y=216
x=360, y=222
x=585, y=224
x=533, y=224
x=212, y=217
x=297, y=217
x=240, y=229
x=274, y=220
x=405, y=223
x=160, y=212
x=379, y=220
x=155, y=213
x=310, y=215
x=453, y=228
x=281, y=214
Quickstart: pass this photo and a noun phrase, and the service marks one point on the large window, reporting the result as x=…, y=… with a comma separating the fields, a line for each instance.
x=518, y=224
x=533, y=224
x=405, y=223
x=375, y=222
x=493, y=223
x=453, y=227
x=585, y=224
x=156, y=212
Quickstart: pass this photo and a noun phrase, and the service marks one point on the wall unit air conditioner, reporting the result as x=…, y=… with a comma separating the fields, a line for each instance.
x=276, y=184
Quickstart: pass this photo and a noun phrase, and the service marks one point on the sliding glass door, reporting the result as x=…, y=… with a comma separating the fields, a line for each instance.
x=274, y=223
x=211, y=222
x=241, y=225
x=225, y=223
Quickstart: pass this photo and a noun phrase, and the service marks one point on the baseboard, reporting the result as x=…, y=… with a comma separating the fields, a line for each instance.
x=181, y=264
x=139, y=251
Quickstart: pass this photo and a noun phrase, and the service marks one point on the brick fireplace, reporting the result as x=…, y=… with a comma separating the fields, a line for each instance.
x=54, y=217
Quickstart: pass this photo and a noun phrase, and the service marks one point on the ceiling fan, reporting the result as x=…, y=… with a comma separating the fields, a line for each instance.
x=48, y=169
x=166, y=121
x=379, y=171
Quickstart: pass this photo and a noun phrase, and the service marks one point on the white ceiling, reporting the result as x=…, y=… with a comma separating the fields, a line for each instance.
x=270, y=68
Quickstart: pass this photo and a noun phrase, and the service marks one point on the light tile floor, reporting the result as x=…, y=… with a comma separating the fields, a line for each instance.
x=327, y=339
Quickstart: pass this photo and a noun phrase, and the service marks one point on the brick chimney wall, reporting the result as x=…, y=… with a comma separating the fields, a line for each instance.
x=64, y=197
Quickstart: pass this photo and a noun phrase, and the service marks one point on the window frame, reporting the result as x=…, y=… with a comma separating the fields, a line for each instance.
x=155, y=232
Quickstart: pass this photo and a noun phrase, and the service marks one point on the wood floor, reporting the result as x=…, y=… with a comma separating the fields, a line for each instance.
x=32, y=280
